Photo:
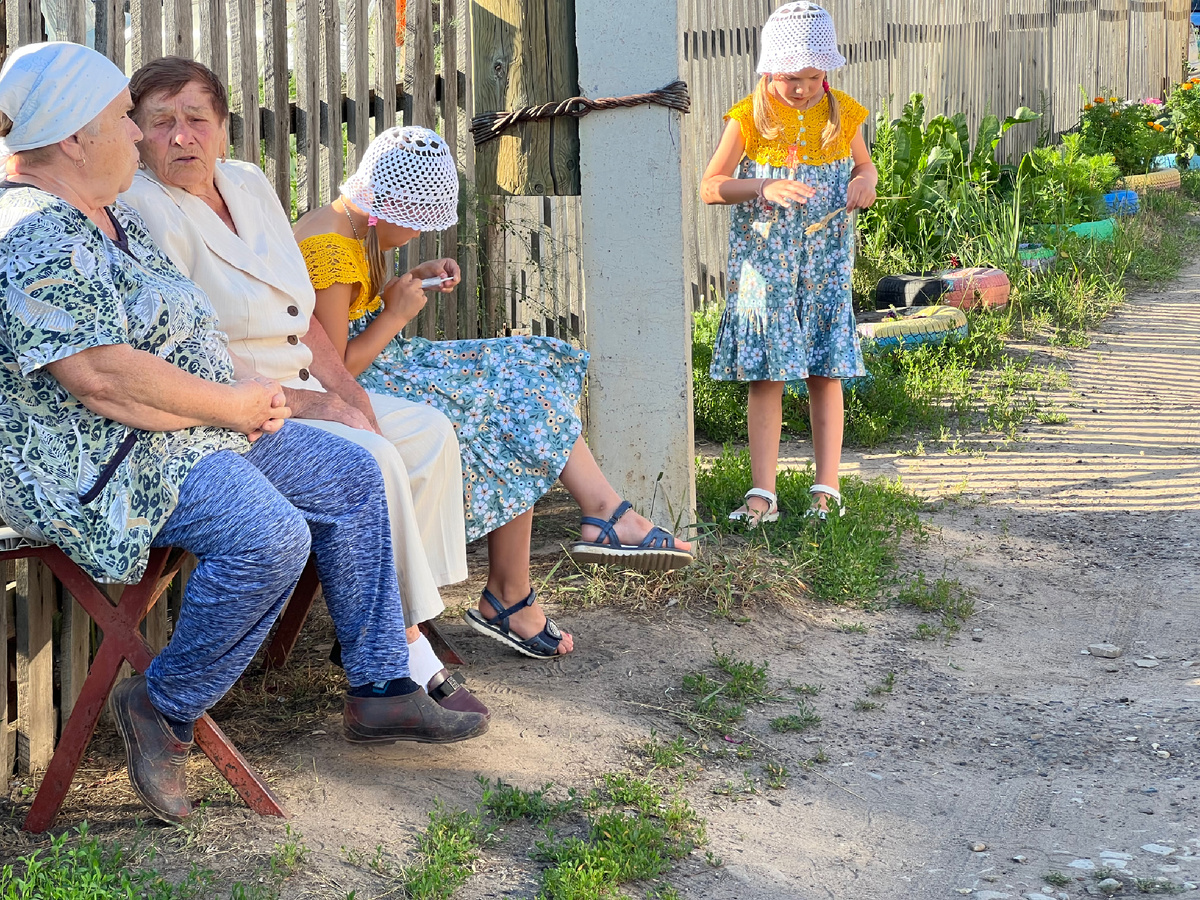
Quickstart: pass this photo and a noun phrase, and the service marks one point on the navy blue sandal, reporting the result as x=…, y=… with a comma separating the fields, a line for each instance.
x=543, y=645
x=656, y=553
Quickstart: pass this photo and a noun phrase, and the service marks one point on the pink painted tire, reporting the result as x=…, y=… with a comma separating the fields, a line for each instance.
x=976, y=288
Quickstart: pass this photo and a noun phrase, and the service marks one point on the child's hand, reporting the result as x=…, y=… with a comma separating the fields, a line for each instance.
x=861, y=192
x=439, y=268
x=403, y=299
x=785, y=192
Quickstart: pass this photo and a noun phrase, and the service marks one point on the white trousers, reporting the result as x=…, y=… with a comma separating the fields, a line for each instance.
x=422, y=476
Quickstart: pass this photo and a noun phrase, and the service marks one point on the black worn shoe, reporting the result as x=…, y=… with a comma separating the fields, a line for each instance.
x=449, y=691
x=409, y=717
x=156, y=757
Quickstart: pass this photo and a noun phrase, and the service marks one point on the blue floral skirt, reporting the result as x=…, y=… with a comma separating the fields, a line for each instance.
x=789, y=313
x=512, y=402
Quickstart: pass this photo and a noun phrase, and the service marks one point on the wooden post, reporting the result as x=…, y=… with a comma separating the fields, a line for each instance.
x=308, y=105
x=177, y=25
x=7, y=576
x=277, y=133
x=358, y=84
x=243, y=110
x=36, y=722
x=524, y=55
x=450, y=244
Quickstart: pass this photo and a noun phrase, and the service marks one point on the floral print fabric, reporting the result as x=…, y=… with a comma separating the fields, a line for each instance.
x=511, y=400
x=789, y=312
x=96, y=488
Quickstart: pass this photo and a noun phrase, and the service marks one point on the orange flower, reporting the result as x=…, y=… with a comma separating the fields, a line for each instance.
x=1088, y=106
x=1187, y=86
x=1099, y=99
x=1195, y=79
x=1115, y=114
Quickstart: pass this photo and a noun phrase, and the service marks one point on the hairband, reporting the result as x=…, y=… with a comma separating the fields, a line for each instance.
x=825, y=85
x=371, y=221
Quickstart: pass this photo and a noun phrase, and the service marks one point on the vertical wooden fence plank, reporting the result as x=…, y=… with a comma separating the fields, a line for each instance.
x=7, y=577
x=331, y=110
x=308, y=105
x=385, y=68
x=243, y=108
x=358, y=82
x=177, y=27
x=469, y=261
x=146, y=18
x=214, y=38
x=110, y=29
x=277, y=120
x=35, y=603
x=76, y=23
x=420, y=83
x=75, y=644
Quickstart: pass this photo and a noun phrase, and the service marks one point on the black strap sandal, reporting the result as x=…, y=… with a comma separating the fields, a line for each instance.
x=543, y=645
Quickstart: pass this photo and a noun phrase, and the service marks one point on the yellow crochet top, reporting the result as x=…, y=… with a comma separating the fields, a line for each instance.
x=801, y=130
x=333, y=259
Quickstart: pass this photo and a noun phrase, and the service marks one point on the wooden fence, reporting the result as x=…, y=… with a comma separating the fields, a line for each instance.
x=970, y=56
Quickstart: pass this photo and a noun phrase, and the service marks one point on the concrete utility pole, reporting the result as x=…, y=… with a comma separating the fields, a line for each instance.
x=638, y=319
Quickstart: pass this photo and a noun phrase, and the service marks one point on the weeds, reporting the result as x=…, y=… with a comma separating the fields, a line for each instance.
x=505, y=802
x=445, y=851
x=802, y=720
x=807, y=690
x=667, y=754
x=1056, y=879
x=721, y=699
x=866, y=705
x=946, y=597
x=884, y=687
x=777, y=776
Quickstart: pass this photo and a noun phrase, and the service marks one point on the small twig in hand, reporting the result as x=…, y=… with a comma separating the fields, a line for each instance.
x=817, y=226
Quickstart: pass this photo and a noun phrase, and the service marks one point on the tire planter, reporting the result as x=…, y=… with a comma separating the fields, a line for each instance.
x=1037, y=258
x=904, y=291
x=976, y=287
x=1102, y=230
x=1122, y=203
x=924, y=325
x=1166, y=180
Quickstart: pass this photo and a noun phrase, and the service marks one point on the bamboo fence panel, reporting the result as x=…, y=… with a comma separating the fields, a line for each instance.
x=969, y=56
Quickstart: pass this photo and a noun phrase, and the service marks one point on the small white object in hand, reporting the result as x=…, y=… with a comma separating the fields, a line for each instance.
x=436, y=281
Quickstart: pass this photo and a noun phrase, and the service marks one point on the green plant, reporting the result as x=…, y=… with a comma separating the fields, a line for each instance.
x=1064, y=185
x=667, y=754
x=947, y=597
x=1134, y=133
x=1056, y=879
x=803, y=720
x=1183, y=105
x=865, y=705
x=884, y=687
x=506, y=802
x=445, y=851
x=808, y=690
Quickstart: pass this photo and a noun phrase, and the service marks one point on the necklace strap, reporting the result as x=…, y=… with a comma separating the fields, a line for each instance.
x=350, y=219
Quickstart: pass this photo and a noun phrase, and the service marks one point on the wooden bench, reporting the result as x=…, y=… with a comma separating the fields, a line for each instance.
x=122, y=642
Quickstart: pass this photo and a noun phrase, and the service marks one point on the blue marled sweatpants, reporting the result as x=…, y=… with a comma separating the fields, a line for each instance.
x=247, y=520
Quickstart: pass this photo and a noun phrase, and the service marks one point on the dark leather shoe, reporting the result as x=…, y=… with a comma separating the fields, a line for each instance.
x=449, y=691
x=410, y=717
x=156, y=758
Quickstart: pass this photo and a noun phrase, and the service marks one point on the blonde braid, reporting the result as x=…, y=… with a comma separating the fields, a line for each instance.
x=833, y=128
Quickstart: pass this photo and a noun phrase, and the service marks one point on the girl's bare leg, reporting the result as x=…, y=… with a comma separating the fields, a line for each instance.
x=597, y=498
x=764, y=422
x=508, y=578
x=828, y=421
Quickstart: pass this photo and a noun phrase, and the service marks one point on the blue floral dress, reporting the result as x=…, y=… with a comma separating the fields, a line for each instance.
x=789, y=312
x=512, y=401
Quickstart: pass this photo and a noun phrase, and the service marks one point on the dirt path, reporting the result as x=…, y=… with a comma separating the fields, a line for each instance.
x=1007, y=738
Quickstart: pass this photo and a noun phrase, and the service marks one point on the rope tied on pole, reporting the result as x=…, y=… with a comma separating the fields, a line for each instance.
x=487, y=126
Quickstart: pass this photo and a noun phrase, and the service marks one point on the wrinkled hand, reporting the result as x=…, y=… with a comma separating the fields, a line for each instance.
x=332, y=408
x=439, y=268
x=261, y=407
x=403, y=298
x=860, y=194
x=785, y=192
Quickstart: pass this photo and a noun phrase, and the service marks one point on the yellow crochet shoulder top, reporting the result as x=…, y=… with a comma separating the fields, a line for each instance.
x=334, y=259
x=801, y=130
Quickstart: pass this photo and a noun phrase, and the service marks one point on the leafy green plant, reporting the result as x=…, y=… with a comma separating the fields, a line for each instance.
x=1064, y=185
x=445, y=851
x=1183, y=105
x=1134, y=133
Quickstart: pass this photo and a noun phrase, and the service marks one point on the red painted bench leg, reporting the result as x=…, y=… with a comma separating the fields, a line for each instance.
x=234, y=768
x=294, y=614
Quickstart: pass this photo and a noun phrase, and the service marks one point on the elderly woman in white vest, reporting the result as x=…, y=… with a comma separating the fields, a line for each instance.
x=122, y=427
x=220, y=222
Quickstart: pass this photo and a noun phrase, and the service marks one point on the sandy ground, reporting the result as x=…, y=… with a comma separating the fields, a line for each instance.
x=1009, y=738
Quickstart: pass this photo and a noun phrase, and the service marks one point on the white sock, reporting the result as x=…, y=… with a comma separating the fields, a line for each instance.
x=423, y=663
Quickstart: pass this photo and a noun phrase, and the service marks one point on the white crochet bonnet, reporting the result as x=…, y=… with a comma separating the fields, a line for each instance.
x=407, y=177
x=799, y=36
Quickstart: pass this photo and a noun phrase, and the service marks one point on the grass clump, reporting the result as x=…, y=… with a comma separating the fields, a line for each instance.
x=1056, y=879
x=802, y=720
x=505, y=802
x=445, y=851
x=667, y=754
x=721, y=699
x=635, y=832
x=945, y=597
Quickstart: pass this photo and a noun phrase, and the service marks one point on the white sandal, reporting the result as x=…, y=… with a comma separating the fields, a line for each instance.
x=752, y=517
x=834, y=496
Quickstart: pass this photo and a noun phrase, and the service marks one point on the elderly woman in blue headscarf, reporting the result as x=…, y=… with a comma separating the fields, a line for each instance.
x=122, y=428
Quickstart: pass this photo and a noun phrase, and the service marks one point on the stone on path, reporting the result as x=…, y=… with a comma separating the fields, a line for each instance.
x=1105, y=650
x=1160, y=849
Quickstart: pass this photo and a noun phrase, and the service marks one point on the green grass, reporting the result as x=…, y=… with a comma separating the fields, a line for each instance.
x=506, y=802
x=802, y=720
x=884, y=687
x=445, y=851
x=667, y=754
x=846, y=560
x=635, y=831
x=866, y=705
x=720, y=699
x=945, y=597
x=1056, y=879
x=81, y=867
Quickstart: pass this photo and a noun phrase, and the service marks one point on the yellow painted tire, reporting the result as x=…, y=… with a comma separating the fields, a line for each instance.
x=1166, y=180
x=921, y=325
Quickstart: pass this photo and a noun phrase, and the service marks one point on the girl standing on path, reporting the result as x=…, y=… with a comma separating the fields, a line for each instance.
x=792, y=158
x=511, y=400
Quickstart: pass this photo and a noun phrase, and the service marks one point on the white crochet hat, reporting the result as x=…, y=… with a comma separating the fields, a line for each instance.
x=799, y=36
x=407, y=177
